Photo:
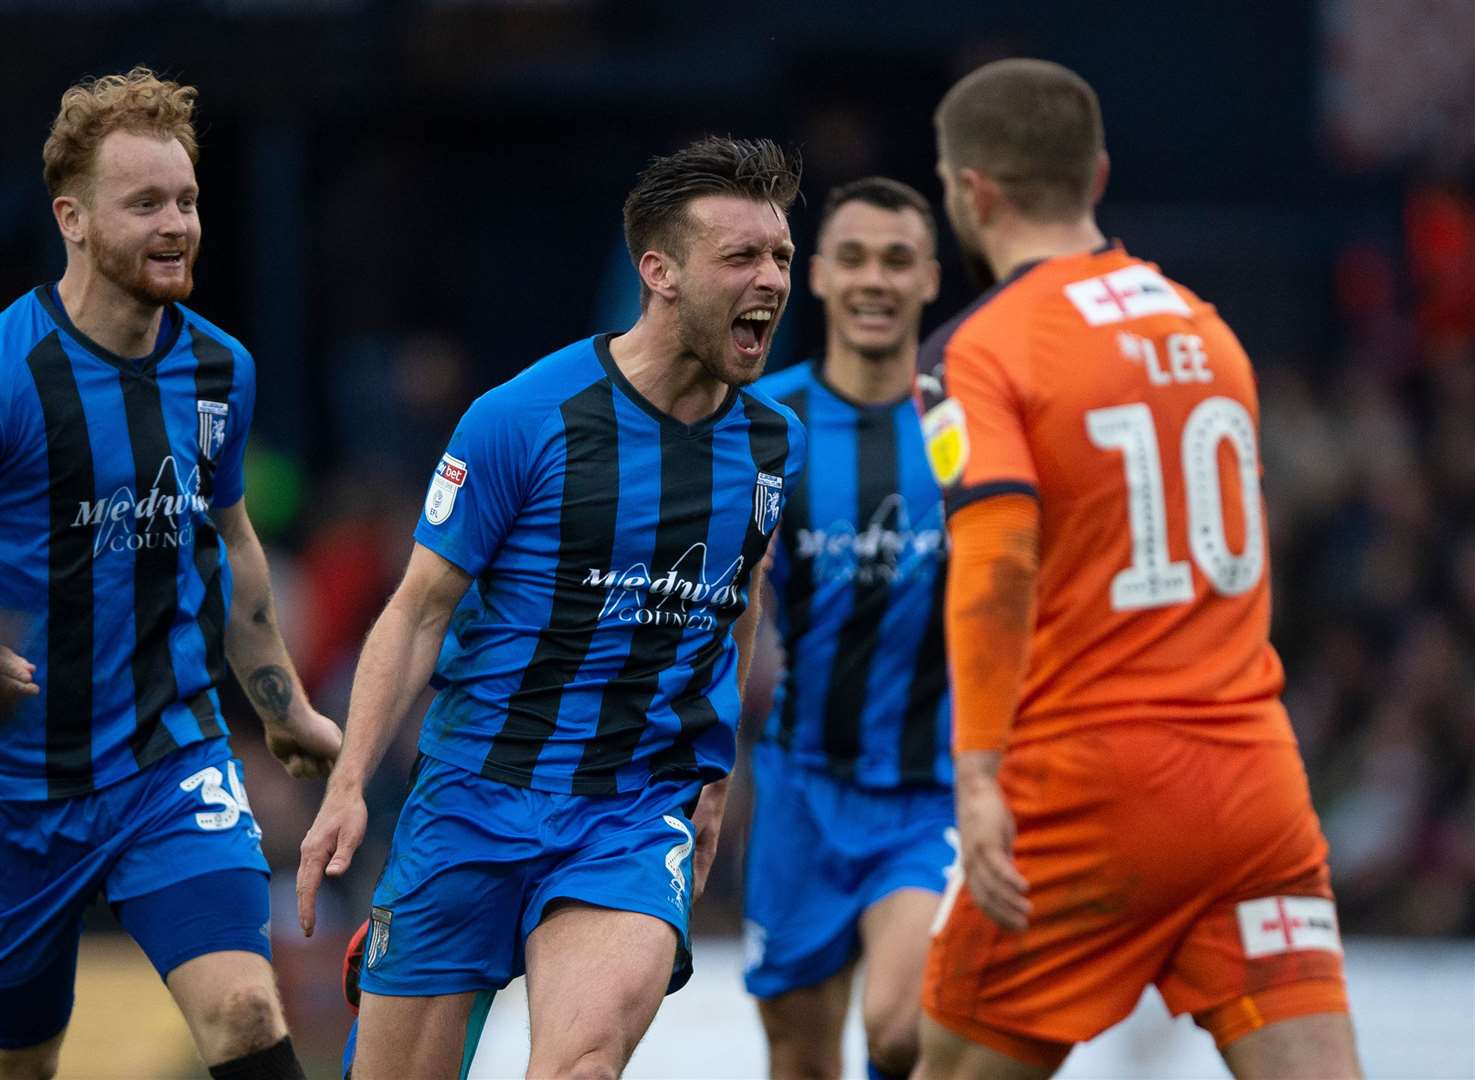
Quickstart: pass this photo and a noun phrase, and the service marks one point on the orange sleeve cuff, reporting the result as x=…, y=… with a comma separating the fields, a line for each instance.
x=989, y=614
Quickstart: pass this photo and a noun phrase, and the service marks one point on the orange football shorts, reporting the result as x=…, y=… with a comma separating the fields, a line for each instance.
x=1154, y=857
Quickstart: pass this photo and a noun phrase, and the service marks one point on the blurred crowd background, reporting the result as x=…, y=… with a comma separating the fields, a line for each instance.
x=405, y=203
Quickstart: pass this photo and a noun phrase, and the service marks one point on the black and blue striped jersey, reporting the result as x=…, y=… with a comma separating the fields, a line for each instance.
x=858, y=574
x=115, y=583
x=611, y=547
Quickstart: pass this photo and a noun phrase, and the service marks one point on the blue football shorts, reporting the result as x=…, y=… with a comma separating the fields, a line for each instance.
x=821, y=850
x=173, y=848
x=475, y=862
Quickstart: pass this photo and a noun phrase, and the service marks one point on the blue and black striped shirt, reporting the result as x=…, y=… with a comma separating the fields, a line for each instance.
x=859, y=573
x=115, y=584
x=611, y=547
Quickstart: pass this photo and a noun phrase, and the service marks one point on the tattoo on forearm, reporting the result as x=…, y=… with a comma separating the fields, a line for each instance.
x=271, y=692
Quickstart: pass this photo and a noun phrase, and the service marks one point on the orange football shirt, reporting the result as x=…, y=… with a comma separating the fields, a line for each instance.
x=1129, y=407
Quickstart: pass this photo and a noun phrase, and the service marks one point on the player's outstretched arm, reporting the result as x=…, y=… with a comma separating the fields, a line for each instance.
x=989, y=614
x=304, y=740
x=396, y=664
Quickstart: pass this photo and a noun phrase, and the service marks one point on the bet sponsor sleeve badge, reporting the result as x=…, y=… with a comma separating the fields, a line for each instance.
x=440, y=500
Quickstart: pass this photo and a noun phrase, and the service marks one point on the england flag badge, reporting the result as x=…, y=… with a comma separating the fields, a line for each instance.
x=767, y=501
x=211, y=433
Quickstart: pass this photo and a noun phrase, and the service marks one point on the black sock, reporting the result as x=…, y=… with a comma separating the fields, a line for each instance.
x=277, y=1062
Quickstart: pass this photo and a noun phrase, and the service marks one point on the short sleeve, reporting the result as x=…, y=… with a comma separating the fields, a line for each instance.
x=798, y=452
x=973, y=424
x=230, y=465
x=477, y=487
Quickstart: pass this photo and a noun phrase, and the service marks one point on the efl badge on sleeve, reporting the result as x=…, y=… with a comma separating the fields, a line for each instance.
x=440, y=500
x=945, y=429
x=379, y=918
x=211, y=434
x=767, y=501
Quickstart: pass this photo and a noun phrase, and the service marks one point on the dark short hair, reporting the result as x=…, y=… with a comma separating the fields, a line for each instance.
x=656, y=209
x=881, y=192
x=1033, y=126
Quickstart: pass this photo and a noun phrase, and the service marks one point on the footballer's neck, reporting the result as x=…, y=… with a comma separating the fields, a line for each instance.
x=1016, y=241
x=118, y=322
x=867, y=379
x=650, y=356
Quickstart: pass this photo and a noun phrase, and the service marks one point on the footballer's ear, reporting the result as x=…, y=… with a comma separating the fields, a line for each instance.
x=1098, y=180
x=984, y=194
x=660, y=273
x=819, y=276
x=934, y=280
x=71, y=217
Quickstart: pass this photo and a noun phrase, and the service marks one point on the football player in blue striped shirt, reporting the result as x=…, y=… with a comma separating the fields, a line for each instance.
x=607, y=509
x=853, y=801
x=132, y=574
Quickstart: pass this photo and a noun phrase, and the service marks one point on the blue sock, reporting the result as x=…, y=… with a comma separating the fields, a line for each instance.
x=873, y=1073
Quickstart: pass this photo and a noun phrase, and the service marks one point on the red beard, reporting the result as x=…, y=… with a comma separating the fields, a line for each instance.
x=129, y=271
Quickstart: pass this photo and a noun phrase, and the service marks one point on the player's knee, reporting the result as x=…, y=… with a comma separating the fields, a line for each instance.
x=793, y=1054
x=800, y=1043
x=244, y=1019
x=891, y=1044
x=32, y=1063
x=596, y=1051
x=892, y=1040
x=593, y=1067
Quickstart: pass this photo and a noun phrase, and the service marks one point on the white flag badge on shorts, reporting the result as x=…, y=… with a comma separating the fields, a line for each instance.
x=440, y=500
x=767, y=497
x=211, y=433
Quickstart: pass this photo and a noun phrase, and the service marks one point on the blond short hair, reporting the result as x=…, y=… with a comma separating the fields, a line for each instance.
x=139, y=102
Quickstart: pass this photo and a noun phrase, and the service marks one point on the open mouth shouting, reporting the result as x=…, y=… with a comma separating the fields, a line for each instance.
x=750, y=330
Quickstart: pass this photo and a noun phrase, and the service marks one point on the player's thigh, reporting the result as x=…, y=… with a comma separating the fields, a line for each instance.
x=946, y=1055
x=188, y=816
x=595, y=978
x=807, y=851
x=34, y=1014
x=805, y=1025
x=1320, y=1045
x=230, y=1002
x=1098, y=934
x=444, y=917
x=894, y=936
x=56, y=855
x=1265, y=948
x=419, y=1037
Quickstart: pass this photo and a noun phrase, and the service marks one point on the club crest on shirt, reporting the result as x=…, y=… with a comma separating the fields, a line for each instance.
x=379, y=919
x=211, y=433
x=767, y=501
x=945, y=430
x=440, y=500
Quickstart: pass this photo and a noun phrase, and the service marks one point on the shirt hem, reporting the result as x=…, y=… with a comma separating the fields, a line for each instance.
x=502, y=774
